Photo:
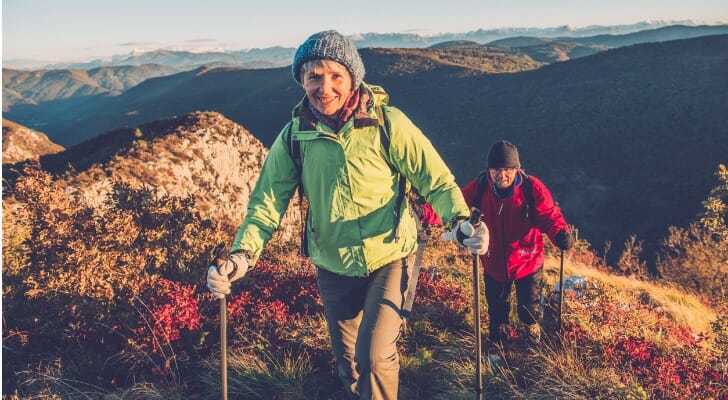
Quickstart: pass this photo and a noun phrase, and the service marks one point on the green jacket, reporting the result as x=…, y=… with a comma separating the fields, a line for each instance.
x=352, y=189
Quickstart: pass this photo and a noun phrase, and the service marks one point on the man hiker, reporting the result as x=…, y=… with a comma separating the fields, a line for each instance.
x=517, y=208
x=359, y=231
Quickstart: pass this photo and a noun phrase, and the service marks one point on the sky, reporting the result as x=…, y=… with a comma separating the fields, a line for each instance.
x=83, y=30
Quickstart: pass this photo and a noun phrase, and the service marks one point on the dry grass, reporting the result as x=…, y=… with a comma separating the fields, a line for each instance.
x=563, y=371
x=683, y=308
x=259, y=373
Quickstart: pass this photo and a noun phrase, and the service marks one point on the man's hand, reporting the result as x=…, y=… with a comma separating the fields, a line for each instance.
x=478, y=242
x=466, y=235
x=220, y=277
x=564, y=240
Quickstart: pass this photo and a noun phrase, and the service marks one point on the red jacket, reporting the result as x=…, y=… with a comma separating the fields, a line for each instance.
x=429, y=216
x=516, y=241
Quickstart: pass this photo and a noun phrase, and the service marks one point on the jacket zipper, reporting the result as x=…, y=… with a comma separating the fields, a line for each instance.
x=503, y=241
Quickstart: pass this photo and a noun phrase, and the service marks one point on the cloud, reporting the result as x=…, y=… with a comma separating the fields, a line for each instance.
x=201, y=40
x=137, y=44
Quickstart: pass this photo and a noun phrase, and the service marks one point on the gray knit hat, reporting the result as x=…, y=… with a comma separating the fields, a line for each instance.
x=329, y=45
x=503, y=154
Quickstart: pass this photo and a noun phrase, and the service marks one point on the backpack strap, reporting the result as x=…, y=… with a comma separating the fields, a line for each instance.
x=294, y=150
x=294, y=147
x=527, y=187
x=384, y=129
x=482, y=186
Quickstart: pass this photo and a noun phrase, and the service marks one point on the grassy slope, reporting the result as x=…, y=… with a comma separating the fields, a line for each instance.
x=685, y=309
x=437, y=361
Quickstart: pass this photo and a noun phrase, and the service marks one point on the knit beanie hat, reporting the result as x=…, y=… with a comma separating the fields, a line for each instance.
x=503, y=154
x=329, y=45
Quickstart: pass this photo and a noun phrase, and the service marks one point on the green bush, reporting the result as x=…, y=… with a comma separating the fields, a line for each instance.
x=696, y=257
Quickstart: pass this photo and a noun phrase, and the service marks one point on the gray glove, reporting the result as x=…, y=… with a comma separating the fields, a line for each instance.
x=479, y=239
x=466, y=235
x=220, y=277
x=478, y=242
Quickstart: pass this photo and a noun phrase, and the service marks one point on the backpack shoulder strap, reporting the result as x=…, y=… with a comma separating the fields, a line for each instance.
x=380, y=95
x=527, y=187
x=384, y=138
x=294, y=150
x=384, y=133
x=482, y=186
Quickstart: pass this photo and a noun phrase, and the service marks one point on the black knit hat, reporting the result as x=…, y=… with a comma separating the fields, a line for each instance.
x=503, y=154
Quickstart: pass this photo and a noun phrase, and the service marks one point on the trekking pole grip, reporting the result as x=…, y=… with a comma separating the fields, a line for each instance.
x=221, y=256
x=475, y=216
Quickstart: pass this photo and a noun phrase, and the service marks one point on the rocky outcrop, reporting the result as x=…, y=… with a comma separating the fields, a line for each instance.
x=21, y=143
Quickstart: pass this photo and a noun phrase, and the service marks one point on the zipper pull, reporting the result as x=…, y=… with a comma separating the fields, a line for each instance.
x=500, y=209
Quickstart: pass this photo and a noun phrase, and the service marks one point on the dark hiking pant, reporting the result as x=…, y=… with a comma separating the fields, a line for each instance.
x=528, y=299
x=363, y=316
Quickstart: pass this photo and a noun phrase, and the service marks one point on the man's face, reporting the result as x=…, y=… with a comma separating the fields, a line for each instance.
x=502, y=177
x=327, y=85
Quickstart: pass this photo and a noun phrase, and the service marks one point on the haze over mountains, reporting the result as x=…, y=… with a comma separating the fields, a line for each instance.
x=605, y=36
x=33, y=87
x=39, y=99
x=605, y=132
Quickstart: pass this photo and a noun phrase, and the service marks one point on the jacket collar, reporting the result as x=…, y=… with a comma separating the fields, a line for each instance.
x=507, y=192
x=362, y=116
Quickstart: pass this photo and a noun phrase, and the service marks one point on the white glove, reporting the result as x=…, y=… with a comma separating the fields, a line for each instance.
x=219, y=278
x=478, y=242
x=464, y=234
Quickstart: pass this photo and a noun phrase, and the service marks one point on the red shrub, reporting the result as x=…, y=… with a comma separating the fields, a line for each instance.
x=172, y=308
x=273, y=301
x=663, y=375
x=442, y=300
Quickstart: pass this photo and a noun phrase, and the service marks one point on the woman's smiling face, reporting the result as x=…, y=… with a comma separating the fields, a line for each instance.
x=328, y=85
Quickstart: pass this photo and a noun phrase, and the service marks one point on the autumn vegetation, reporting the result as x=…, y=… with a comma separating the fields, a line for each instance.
x=108, y=301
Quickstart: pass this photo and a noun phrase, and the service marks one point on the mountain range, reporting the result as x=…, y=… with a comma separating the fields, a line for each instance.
x=600, y=36
x=72, y=105
x=605, y=132
x=42, y=86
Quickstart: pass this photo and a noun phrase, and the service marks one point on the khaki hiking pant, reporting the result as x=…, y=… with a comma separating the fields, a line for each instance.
x=363, y=316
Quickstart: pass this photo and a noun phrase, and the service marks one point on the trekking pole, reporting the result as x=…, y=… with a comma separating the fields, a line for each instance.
x=561, y=287
x=223, y=347
x=475, y=221
x=409, y=301
x=221, y=257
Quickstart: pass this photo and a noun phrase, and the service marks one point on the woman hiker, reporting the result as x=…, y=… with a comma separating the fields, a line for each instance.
x=359, y=232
